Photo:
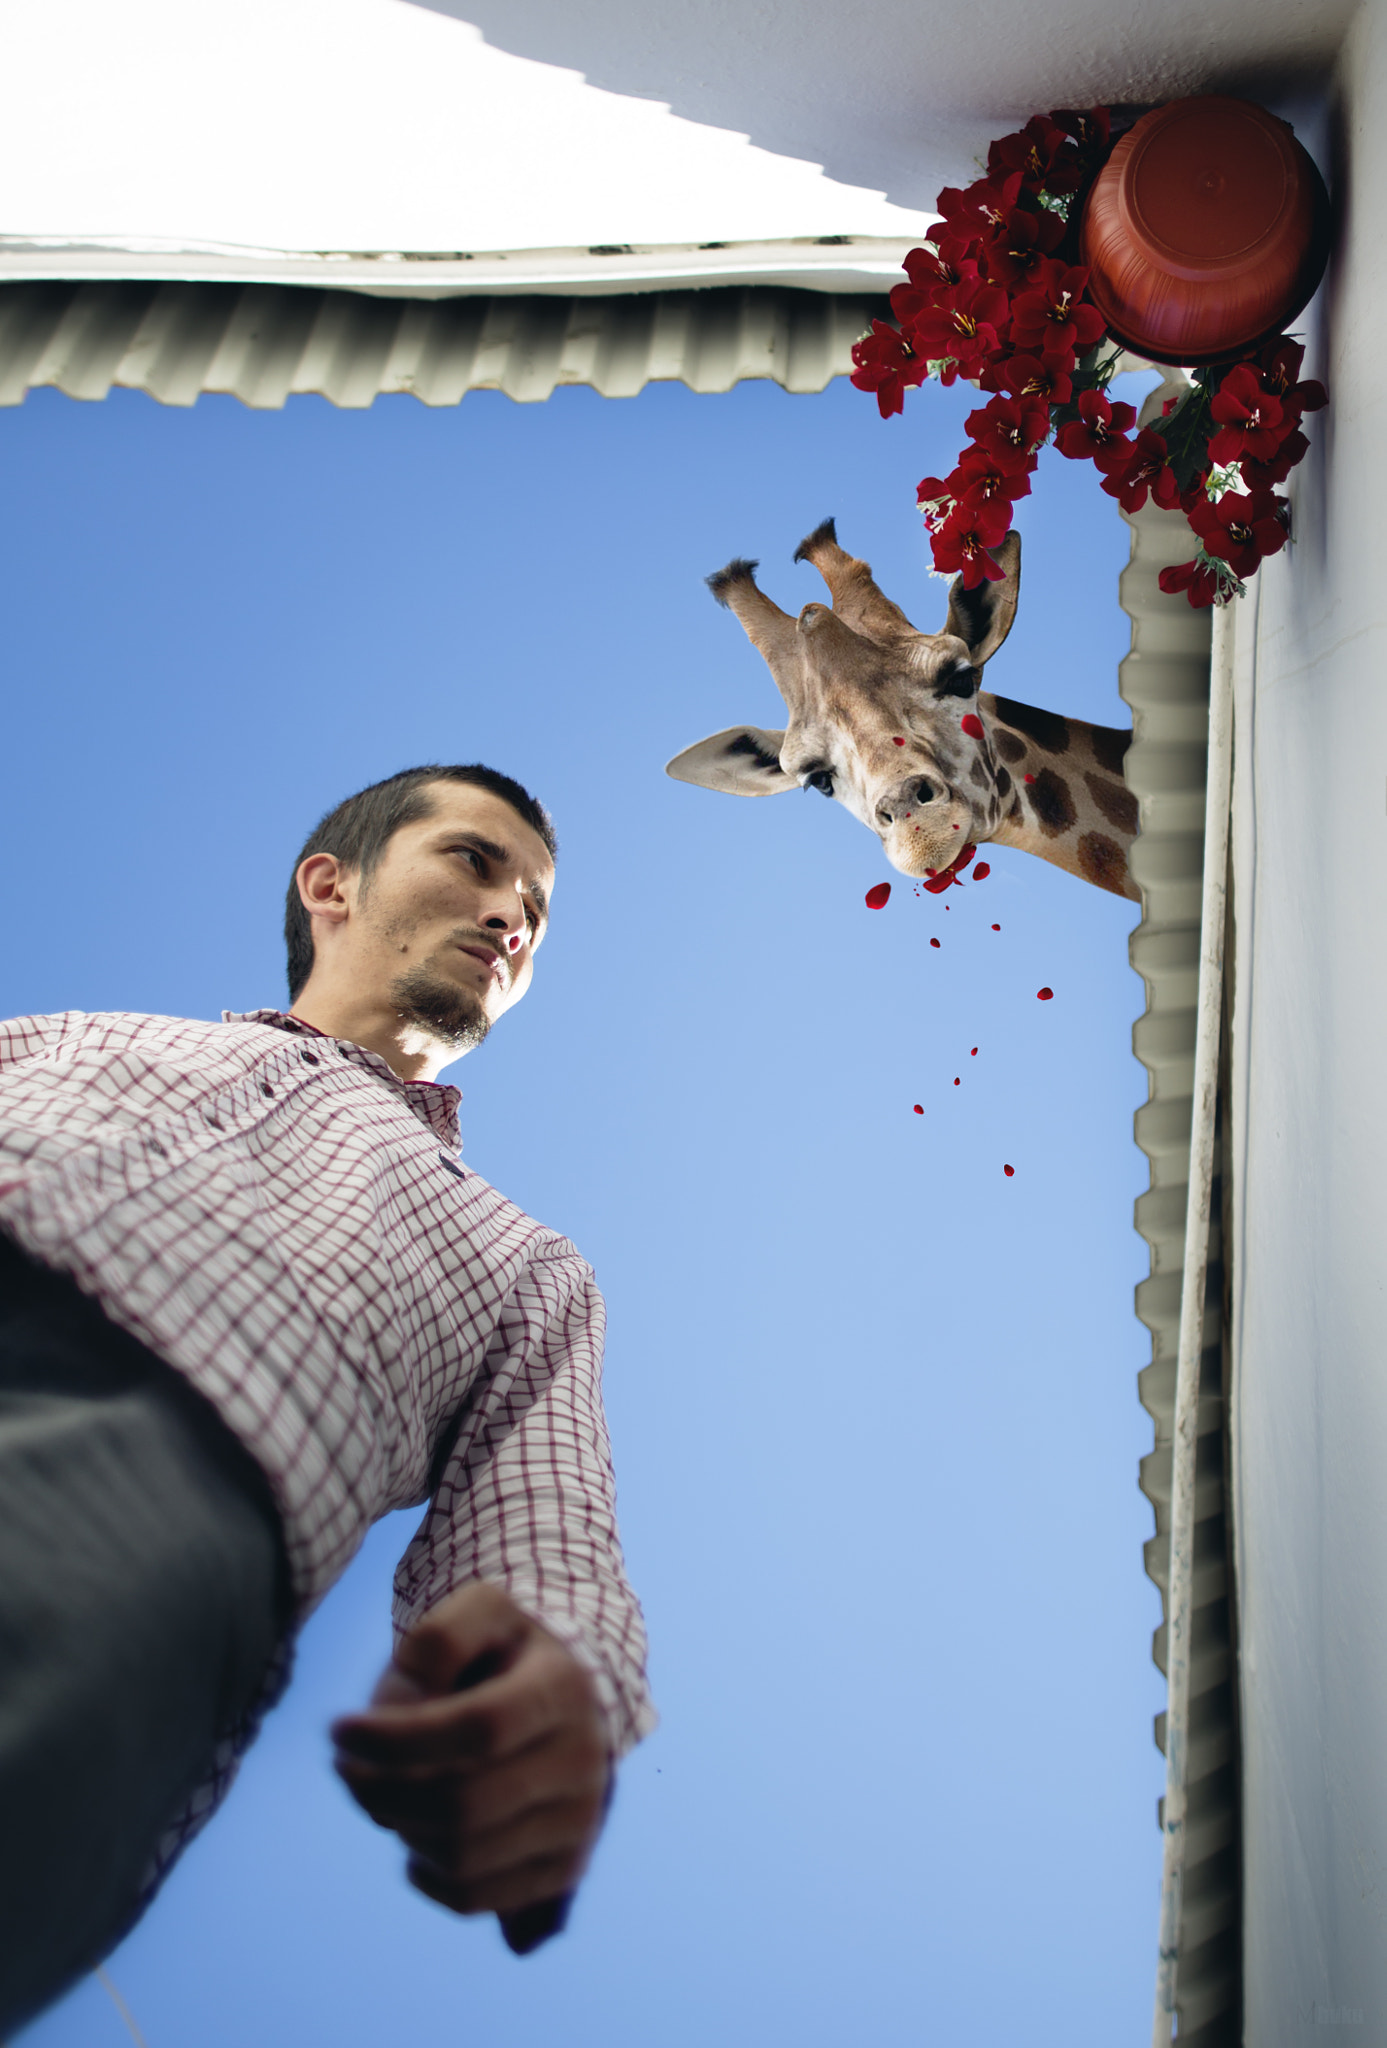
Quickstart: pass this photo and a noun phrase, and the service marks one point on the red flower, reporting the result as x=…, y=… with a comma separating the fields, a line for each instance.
x=1090, y=130
x=936, y=264
x=935, y=490
x=1055, y=315
x=1260, y=476
x=1251, y=419
x=981, y=481
x=1010, y=428
x=883, y=363
x=1144, y=470
x=1192, y=577
x=962, y=545
x=1240, y=528
x=1041, y=152
x=1097, y=428
x=980, y=207
x=962, y=323
x=1042, y=377
x=1013, y=250
x=1280, y=365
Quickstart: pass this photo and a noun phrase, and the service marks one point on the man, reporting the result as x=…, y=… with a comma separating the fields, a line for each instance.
x=250, y=1301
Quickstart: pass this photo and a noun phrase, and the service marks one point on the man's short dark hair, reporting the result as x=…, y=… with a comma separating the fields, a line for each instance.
x=359, y=829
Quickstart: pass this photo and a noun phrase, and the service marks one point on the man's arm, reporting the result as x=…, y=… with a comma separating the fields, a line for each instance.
x=518, y=1676
x=484, y=1750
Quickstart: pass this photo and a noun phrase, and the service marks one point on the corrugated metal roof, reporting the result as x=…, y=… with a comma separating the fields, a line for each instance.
x=1165, y=680
x=263, y=343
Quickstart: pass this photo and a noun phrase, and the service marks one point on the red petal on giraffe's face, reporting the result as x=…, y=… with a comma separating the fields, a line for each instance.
x=1008, y=1171
x=878, y=897
x=1045, y=995
x=972, y=725
x=1030, y=778
x=897, y=743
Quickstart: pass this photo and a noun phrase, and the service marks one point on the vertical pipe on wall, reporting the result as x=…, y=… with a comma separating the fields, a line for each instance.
x=1186, y=1425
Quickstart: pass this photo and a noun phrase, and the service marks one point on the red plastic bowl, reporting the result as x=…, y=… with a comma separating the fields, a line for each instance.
x=1205, y=232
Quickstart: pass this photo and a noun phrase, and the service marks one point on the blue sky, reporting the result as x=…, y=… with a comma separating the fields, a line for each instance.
x=874, y=1405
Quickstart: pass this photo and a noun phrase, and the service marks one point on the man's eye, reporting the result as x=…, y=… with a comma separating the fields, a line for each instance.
x=822, y=780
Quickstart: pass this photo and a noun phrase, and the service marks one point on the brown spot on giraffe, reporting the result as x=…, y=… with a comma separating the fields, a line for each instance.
x=1008, y=746
x=1115, y=801
x=1101, y=860
x=1109, y=747
x=1046, y=728
x=1003, y=783
x=978, y=775
x=1052, y=803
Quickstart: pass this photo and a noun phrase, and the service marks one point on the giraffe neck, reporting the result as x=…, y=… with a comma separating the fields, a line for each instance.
x=1067, y=801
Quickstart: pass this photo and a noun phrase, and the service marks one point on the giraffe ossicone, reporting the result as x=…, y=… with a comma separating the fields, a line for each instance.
x=891, y=723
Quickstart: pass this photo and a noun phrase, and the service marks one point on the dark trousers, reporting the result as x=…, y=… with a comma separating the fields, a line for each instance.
x=142, y=1601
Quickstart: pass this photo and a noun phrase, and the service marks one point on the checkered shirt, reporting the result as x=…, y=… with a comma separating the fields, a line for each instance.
x=284, y=1220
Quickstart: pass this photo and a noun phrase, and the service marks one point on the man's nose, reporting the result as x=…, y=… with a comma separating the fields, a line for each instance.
x=514, y=929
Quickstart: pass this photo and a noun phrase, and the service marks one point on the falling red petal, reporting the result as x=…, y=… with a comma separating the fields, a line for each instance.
x=1045, y=995
x=972, y=725
x=1009, y=1171
x=876, y=898
x=955, y=1080
x=919, y=1109
x=982, y=871
x=996, y=927
x=973, y=1054
x=934, y=942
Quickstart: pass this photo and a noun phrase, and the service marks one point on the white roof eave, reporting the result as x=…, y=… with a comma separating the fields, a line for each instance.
x=831, y=263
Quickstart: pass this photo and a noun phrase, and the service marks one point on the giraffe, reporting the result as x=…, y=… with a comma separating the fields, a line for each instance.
x=891, y=723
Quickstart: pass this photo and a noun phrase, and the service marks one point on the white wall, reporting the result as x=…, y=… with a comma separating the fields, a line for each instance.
x=1310, y=1239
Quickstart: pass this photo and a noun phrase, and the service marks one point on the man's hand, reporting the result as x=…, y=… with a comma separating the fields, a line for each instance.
x=483, y=1748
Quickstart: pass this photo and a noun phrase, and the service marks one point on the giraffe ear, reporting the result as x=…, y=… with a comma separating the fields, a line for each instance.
x=743, y=761
x=982, y=618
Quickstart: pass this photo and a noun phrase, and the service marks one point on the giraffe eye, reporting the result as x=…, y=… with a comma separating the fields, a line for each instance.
x=820, y=779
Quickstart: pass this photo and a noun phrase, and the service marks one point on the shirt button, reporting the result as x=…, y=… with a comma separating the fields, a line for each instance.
x=265, y=1088
x=212, y=1121
x=310, y=1058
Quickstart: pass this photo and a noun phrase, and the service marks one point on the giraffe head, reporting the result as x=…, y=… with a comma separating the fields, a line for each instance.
x=881, y=717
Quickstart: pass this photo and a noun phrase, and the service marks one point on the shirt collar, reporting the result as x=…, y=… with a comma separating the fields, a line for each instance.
x=435, y=1103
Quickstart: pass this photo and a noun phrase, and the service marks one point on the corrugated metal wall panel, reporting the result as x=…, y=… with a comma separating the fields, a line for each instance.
x=1165, y=680
x=262, y=343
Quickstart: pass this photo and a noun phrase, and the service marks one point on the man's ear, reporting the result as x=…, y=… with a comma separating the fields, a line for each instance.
x=982, y=618
x=743, y=761
x=320, y=880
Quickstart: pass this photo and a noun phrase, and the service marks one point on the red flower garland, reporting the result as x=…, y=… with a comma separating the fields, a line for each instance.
x=992, y=297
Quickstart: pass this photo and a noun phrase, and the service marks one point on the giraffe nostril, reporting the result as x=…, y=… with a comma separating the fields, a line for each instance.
x=924, y=791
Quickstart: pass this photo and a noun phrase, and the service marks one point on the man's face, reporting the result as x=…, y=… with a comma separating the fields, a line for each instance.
x=447, y=927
